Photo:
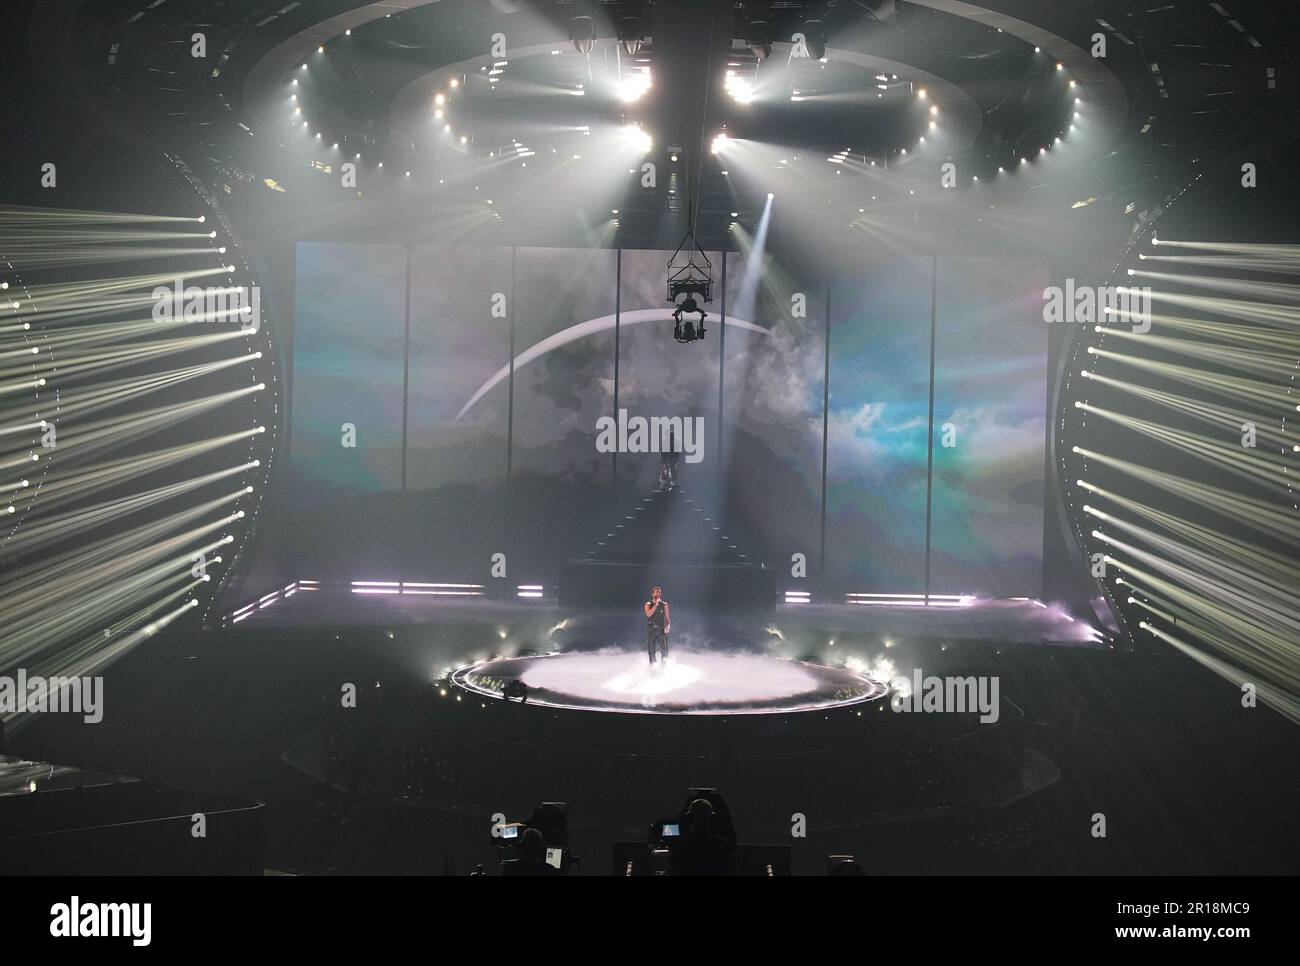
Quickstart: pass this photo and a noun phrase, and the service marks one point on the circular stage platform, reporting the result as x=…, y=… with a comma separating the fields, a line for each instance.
x=688, y=682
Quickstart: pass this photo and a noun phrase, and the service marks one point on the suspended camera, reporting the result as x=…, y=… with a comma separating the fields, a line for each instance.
x=684, y=284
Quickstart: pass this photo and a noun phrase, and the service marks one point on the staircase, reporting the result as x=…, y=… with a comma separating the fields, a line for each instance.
x=667, y=524
x=666, y=538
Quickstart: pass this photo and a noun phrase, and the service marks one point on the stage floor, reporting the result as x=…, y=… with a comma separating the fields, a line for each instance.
x=686, y=682
x=1001, y=620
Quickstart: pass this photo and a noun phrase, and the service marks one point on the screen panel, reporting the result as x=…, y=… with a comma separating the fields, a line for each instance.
x=877, y=427
x=773, y=388
x=990, y=428
x=459, y=347
x=563, y=382
x=457, y=411
x=346, y=438
x=349, y=340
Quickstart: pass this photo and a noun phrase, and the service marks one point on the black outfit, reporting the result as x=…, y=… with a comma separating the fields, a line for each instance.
x=655, y=636
x=668, y=471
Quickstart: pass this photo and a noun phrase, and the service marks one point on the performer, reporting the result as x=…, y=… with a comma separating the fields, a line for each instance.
x=668, y=461
x=657, y=624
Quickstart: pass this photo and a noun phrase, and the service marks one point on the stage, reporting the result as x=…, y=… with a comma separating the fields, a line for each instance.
x=686, y=682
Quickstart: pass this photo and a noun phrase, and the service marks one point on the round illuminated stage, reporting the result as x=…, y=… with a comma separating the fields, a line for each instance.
x=688, y=682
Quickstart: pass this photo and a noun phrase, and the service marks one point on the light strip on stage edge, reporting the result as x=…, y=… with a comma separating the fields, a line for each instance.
x=444, y=593
x=380, y=588
x=911, y=600
x=911, y=603
x=916, y=596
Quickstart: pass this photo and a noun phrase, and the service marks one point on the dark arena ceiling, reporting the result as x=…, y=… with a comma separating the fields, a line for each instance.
x=1084, y=110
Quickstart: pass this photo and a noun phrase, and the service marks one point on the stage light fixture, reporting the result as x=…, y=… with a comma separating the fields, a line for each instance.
x=631, y=34
x=759, y=39
x=740, y=88
x=582, y=31
x=641, y=138
x=814, y=34
x=633, y=85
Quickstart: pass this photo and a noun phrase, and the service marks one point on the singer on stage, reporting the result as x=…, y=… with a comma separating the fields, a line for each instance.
x=657, y=624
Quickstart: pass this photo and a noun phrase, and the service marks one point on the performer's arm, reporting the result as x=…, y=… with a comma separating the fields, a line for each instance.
x=668, y=618
x=649, y=608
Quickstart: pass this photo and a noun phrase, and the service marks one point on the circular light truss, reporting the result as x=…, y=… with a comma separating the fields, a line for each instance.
x=449, y=109
x=1176, y=450
x=139, y=408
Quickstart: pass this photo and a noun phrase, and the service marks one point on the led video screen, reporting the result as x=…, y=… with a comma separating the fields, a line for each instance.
x=885, y=426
